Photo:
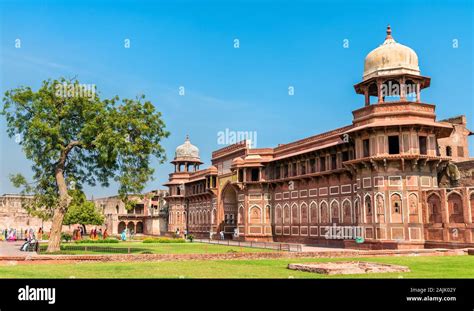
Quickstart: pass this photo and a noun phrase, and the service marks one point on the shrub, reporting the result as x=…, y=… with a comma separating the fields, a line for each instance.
x=66, y=237
x=108, y=240
x=140, y=237
x=190, y=237
x=163, y=240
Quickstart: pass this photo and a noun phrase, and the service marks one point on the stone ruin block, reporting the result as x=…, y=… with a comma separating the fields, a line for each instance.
x=347, y=267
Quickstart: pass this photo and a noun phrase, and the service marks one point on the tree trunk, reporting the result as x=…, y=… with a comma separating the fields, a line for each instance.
x=55, y=234
x=64, y=201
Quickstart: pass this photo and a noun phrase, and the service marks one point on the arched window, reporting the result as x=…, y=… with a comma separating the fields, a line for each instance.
x=313, y=213
x=434, y=209
x=396, y=208
x=455, y=208
x=346, y=212
x=286, y=214
x=335, y=212
x=413, y=204
x=268, y=214
x=295, y=215
x=356, y=211
x=380, y=206
x=278, y=214
x=255, y=215
x=304, y=214
x=368, y=208
x=324, y=211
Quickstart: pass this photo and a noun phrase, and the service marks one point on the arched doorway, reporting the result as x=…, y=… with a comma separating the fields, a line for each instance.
x=229, y=202
x=131, y=227
x=139, y=227
x=121, y=226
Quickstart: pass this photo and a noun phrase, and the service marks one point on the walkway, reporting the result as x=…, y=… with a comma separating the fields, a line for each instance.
x=290, y=247
x=12, y=249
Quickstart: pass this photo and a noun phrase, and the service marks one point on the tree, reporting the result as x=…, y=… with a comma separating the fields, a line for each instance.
x=82, y=212
x=74, y=139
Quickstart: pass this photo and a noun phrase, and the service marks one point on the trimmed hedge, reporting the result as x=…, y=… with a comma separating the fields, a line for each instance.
x=163, y=240
x=108, y=240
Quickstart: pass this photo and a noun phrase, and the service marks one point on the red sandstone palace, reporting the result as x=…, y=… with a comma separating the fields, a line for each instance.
x=400, y=176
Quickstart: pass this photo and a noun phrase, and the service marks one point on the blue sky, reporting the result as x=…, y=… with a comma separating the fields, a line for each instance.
x=191, y=44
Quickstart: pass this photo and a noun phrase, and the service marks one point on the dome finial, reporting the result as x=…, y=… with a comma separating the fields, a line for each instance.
x=389, y=32
x=187, y=137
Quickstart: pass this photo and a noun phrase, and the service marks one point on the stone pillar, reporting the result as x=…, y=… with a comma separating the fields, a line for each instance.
x=403, y=95
x=466, y=206
x=418, y=90
x=445, y=215
x=367, y=96
x=379, y=91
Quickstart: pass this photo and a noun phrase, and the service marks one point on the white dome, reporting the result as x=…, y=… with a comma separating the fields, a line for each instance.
x=187, y=151
x=390, y=58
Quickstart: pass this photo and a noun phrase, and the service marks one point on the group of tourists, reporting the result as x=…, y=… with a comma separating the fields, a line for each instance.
x=78, y=233
x=95, y=234
x=13, y=234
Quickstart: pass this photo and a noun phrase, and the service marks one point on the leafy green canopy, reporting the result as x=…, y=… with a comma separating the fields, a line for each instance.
x=89, y=140
x=82, y=212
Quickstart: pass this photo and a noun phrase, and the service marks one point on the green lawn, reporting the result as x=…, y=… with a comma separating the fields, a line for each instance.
x=421, y=267
x=156, y=248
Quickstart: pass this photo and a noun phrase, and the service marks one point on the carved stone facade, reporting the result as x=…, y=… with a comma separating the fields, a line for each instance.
x=380, y=175
x=13, y=215
x=149, y=215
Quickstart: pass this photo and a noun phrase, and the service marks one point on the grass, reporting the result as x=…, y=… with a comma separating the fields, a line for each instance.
x=156, y=248
x=421, y=267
